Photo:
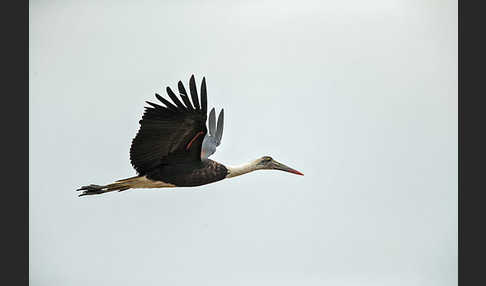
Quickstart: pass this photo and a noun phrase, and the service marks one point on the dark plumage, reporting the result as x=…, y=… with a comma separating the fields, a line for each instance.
x=168, y=149
x=165, y=132
x=168, y=144
x=190, y=175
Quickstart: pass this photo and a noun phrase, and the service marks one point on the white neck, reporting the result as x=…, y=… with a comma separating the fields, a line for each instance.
x=234, y=171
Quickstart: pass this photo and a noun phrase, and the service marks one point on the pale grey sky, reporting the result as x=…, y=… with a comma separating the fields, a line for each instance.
x=361, y=96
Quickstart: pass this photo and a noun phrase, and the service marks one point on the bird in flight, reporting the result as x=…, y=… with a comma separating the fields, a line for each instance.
x=173, y=145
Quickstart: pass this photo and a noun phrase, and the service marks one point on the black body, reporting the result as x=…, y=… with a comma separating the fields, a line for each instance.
x=189, y=175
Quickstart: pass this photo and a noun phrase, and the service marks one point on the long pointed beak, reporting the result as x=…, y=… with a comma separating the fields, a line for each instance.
x=282, y=167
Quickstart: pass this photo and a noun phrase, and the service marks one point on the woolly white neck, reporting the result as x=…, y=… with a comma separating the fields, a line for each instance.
x=234, y=171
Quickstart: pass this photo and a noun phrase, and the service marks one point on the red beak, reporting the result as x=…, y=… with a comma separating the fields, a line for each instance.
x=282, y=167
x=296, y=172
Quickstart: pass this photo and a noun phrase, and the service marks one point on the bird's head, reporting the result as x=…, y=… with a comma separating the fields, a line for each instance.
x=268, y=163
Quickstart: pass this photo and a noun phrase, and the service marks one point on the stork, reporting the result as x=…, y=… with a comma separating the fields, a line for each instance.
x=172, y=146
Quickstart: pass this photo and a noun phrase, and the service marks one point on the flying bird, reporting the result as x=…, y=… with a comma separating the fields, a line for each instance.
x=172, y=146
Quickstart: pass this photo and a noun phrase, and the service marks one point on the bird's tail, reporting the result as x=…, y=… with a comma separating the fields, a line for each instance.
x=120, y=185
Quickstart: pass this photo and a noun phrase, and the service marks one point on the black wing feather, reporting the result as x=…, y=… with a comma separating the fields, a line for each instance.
x=174, y=98
x=154, y=104
x=204, y=97
x=185, y=98
x=193, y=90
x=165, y=134
x=166, y=102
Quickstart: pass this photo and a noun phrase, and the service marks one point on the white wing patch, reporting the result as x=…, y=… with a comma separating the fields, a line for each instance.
x=215, y=134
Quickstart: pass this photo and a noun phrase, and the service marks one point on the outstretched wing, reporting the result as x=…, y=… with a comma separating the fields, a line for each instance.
x=213, y=138
x=173, y=133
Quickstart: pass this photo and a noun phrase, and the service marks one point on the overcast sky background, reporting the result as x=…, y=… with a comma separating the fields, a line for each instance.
x=361, y=96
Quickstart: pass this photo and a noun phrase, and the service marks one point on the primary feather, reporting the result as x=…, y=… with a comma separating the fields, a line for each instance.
x=166, y=131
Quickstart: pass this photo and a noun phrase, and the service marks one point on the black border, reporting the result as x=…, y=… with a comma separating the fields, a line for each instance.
x=471, y=144
x=15, y=135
